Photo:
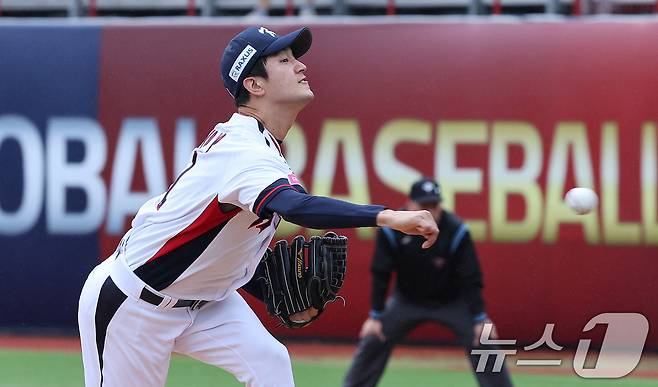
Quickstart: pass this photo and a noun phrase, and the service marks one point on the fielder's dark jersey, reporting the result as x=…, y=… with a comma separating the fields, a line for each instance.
x=444, y=272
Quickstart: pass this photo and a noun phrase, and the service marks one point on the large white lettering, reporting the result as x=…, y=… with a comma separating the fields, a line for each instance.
x=649, y=178
x=345, y=134
x=48, y=174
x=518, y=181
x=389, y=170
x=26, y=135
x=455, y=180
x=135, y=132
x=614, y=231
x=84, y=175
x=569, y=137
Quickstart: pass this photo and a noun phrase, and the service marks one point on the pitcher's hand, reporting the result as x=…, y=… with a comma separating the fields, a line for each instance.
x=412, y=223
x=304, y=315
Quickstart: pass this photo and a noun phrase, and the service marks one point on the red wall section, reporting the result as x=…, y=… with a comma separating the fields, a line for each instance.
x=545, y=76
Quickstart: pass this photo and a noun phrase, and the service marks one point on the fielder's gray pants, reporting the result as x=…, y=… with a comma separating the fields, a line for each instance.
x=400, y=317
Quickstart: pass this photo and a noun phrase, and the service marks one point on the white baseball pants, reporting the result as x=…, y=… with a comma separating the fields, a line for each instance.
x=128, y=342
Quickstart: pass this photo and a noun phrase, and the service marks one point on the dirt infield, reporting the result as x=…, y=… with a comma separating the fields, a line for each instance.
x=37, y=343
x=431, y=357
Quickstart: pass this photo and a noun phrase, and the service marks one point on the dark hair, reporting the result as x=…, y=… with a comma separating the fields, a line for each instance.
x=243, y=96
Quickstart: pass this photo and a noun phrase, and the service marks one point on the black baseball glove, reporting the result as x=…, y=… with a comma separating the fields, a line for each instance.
x=294, y=277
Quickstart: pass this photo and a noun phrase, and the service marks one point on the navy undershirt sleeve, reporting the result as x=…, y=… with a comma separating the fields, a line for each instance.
x=320, y=212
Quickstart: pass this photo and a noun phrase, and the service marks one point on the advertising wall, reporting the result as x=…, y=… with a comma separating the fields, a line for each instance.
x=95, y=119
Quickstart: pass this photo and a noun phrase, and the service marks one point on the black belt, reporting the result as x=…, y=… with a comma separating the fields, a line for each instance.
x=156, y=300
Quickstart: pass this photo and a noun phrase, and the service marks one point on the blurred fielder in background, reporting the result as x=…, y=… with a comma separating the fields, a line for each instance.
x=441, y=284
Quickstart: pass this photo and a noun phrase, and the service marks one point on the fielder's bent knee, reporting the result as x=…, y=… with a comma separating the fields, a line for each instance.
x=373, y=343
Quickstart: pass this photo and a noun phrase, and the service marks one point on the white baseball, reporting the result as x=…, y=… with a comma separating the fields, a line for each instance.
x=581, y=200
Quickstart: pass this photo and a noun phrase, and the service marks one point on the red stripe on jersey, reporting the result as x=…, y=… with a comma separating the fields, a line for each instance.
x=211, y=217
x=268, y=195
x=276, y=144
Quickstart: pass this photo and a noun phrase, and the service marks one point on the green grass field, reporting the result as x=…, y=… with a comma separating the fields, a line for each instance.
x=62, y=369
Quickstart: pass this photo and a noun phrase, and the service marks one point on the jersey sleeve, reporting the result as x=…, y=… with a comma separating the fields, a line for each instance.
x=317, y=212
x=254, y=176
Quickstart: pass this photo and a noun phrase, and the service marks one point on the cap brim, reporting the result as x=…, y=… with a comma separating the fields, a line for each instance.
x=428, y=199
x=299, y=42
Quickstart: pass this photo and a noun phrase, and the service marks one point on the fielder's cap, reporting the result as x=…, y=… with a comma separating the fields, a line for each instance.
x=242, y=52
x=425, y=191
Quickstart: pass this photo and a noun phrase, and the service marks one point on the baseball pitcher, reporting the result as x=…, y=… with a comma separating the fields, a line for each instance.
x=171, y=285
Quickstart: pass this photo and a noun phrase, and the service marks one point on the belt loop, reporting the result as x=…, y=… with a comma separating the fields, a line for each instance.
x=131, y=285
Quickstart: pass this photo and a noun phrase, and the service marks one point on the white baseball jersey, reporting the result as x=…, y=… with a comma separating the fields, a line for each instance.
x=202, y=238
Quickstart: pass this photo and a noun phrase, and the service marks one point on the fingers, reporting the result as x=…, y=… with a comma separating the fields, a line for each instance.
x=372, y=330
x=372, y=327
x=365, y=329
x=377, y=330
x=413, y=223
x=477, y=334
x=476, y=341
x=299, y=318
x=430, y=239
x=477, y=330
x=494, y=332
x=364, y=332
x=380, y=335
x=304, y=316
x=431, y=234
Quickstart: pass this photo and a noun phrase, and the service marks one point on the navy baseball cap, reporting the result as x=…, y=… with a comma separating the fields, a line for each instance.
x=426, y=191
x=242, y=52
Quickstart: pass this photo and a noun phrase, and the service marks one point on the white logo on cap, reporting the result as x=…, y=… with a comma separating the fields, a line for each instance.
x=428, y=187
x=241, y=61
x=264, y=30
